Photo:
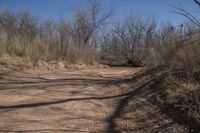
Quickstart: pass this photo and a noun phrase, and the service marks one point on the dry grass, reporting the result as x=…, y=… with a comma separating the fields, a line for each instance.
x=182, y=95
x=175, y=88
x=15, y=62
x=186, y=59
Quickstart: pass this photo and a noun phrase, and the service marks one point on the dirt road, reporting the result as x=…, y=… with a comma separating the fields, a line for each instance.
x=94, y=100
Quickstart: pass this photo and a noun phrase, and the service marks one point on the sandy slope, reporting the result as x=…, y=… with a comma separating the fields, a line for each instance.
x=91, y=100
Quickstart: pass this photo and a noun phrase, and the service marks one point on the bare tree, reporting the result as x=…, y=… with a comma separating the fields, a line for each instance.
x=131, y=40
x=48, y=34
x=88, y=20
x=132, y=35
x=27, y=24
x=27, y=30
x=8, y=29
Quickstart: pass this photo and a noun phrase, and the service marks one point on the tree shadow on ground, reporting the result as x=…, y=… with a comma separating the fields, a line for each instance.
x=148, y=91
x=66, y=81
x=123, y=103
x=44, y=130
x=145, y=90
x=8, y=84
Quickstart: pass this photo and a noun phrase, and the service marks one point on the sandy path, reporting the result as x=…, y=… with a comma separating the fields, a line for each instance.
x=94, y=100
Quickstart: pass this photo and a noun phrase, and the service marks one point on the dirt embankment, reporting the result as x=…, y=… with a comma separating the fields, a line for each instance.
x=89, y=100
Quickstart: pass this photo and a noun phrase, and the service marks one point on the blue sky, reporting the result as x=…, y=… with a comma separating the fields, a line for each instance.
x=52, y=8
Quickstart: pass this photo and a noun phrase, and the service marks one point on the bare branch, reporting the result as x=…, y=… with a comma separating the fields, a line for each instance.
x=186, y=14
x=197, y=2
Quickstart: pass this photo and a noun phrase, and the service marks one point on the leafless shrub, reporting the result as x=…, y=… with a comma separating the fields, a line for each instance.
x=22, y=34
x=133, y=40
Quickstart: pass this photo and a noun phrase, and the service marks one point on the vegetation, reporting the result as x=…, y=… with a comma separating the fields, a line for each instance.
x=135, y=41
x=24, y=35
x=182, y=85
